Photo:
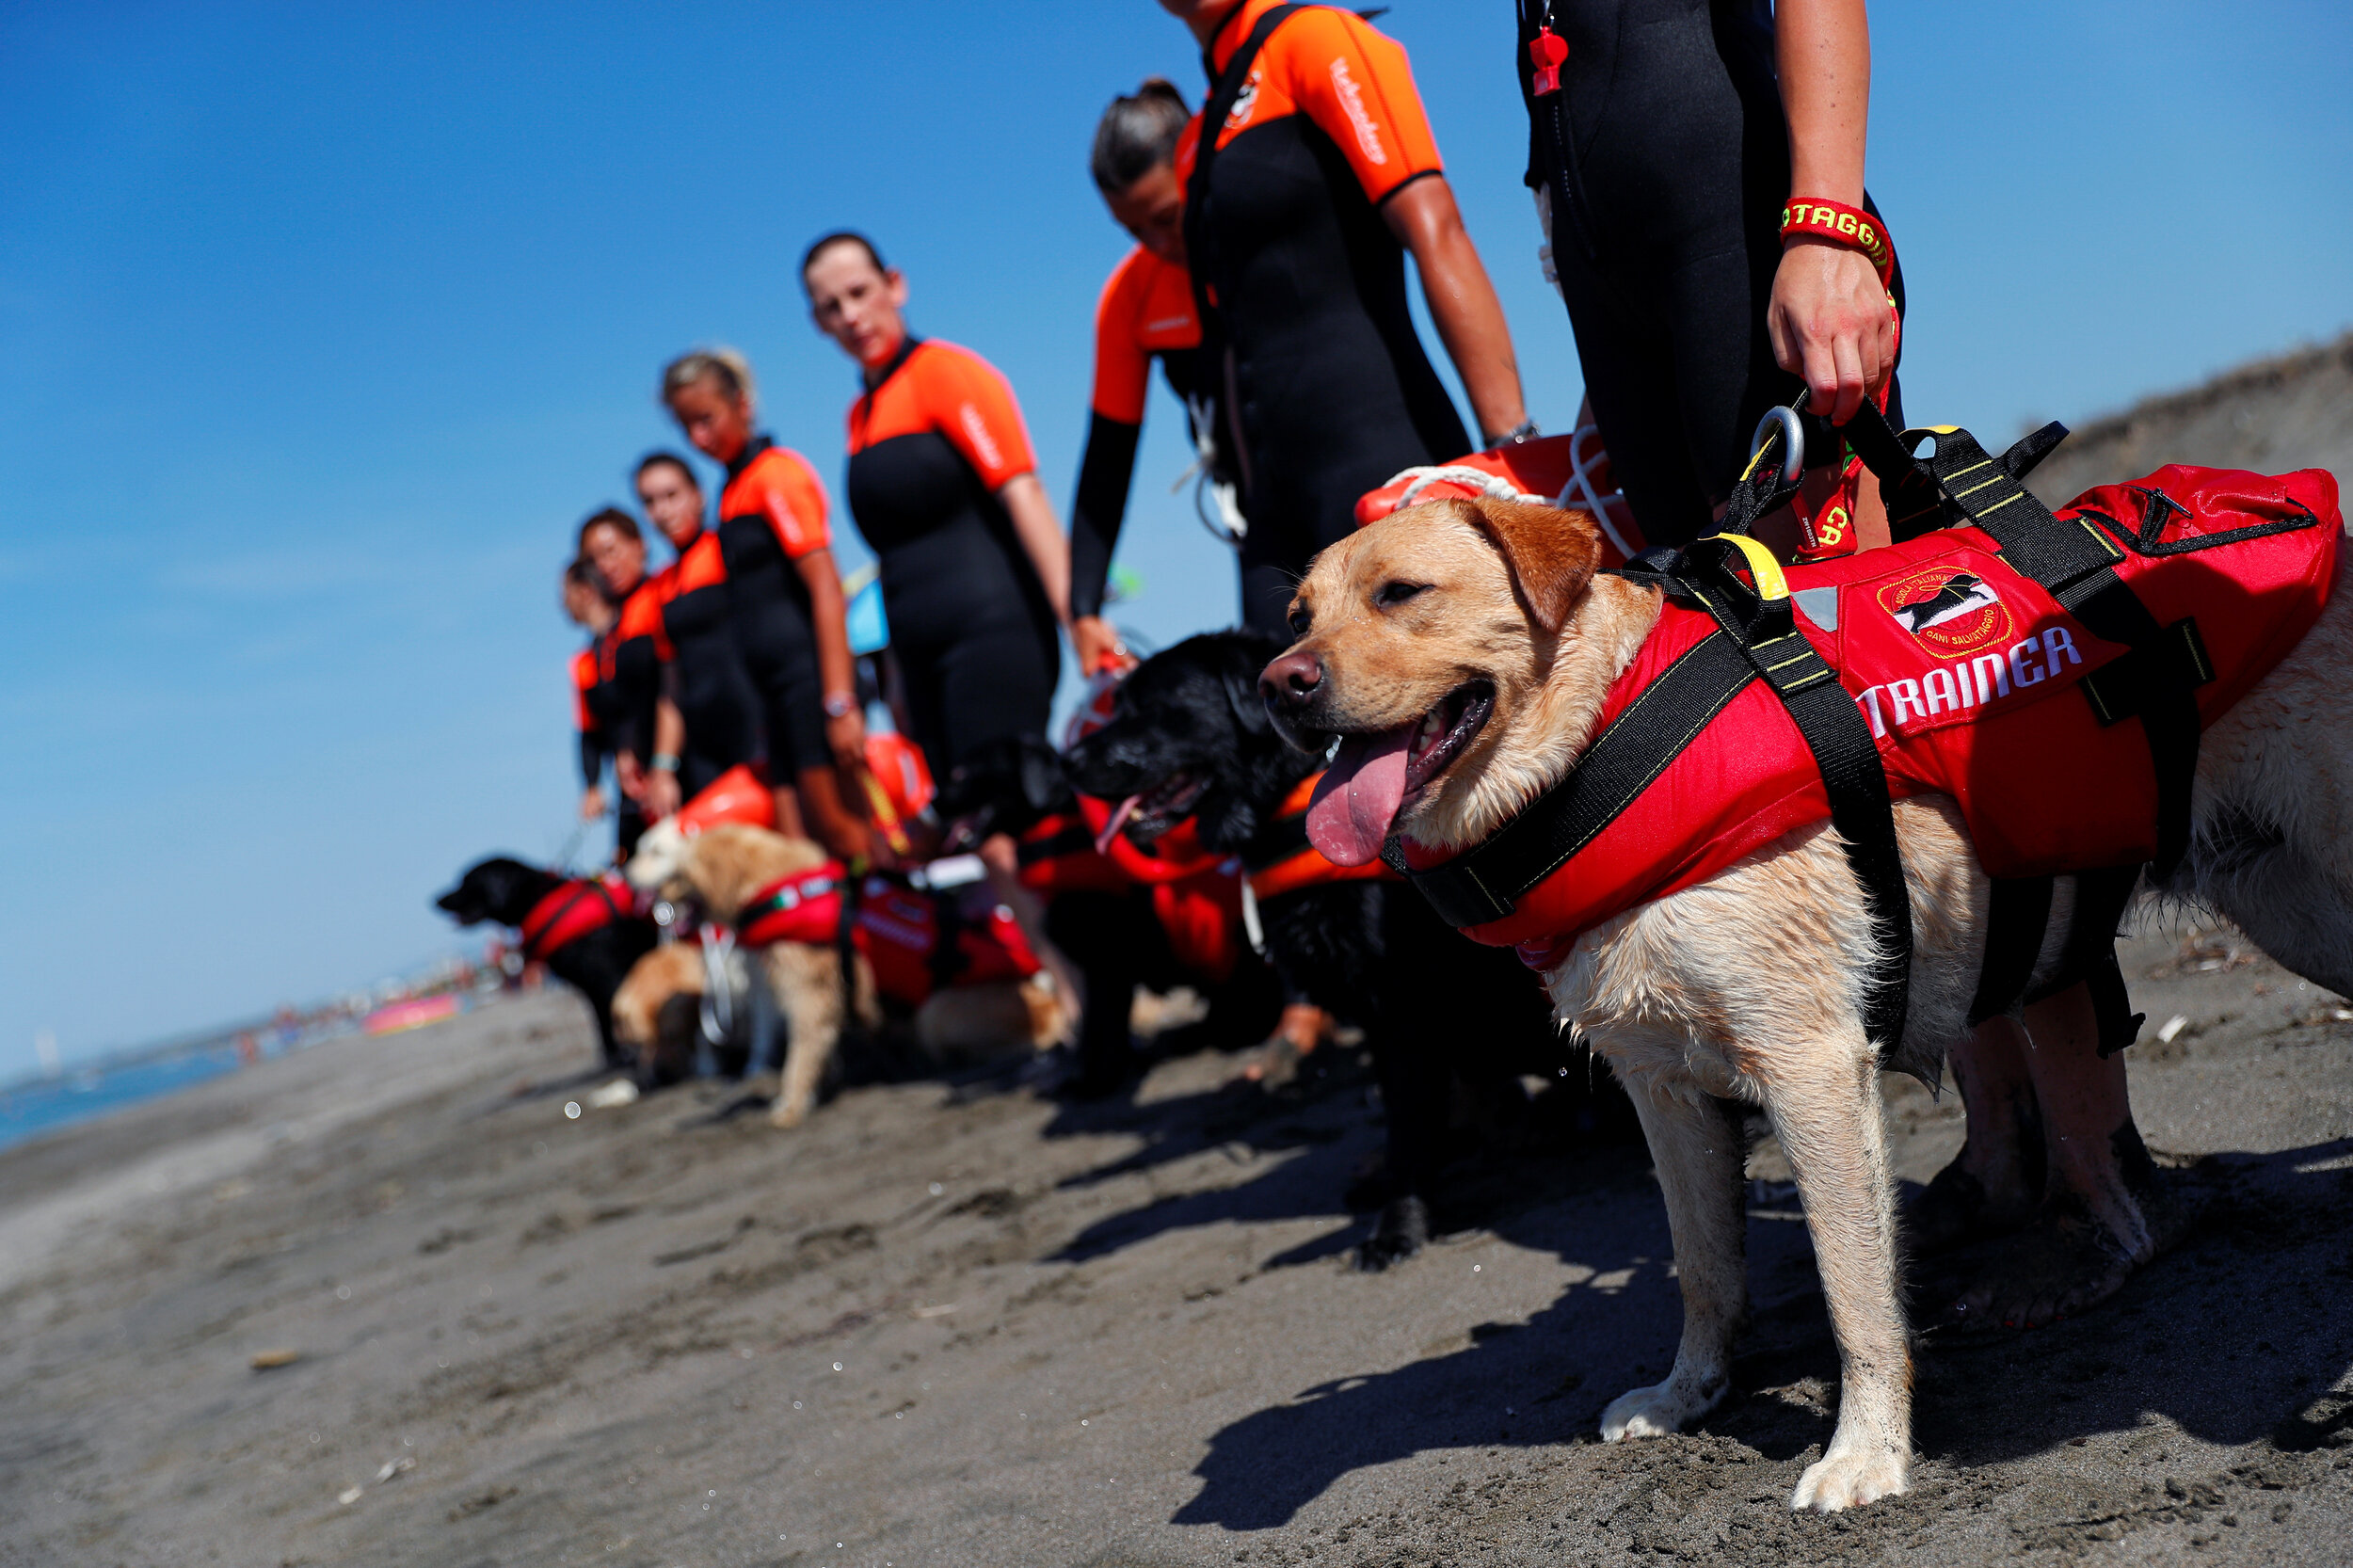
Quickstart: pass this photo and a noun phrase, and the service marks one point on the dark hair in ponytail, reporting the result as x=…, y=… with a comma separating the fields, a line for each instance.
x=1137, y=134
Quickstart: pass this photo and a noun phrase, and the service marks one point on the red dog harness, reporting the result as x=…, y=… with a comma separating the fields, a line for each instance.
x=571, y=911
x=1991, y=663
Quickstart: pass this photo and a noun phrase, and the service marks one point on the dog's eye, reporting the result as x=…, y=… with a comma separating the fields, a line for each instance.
x=1301, y=619
x=1398, y=593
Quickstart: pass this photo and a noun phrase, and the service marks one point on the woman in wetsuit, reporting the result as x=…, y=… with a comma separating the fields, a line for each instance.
x=1145, y=312
x=1301, y=202
x=775, y=585
x=586, y=607
x=677, y=652
x=638, y=721
x=975, y=571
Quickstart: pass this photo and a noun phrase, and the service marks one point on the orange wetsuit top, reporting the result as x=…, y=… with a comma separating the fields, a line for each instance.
x=684, y=615
x=930, y=446
x=1145, y=312
x=932, y=441
x=772, y=513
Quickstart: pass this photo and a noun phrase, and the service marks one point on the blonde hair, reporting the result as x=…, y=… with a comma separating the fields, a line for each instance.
x=733, y=372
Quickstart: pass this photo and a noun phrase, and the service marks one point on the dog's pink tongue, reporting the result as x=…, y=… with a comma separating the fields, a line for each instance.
x=1358, y=797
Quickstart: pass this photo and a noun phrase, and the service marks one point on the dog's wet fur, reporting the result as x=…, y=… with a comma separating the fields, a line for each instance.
x=1189, y=728
x=504, y=889
x=1694, y=997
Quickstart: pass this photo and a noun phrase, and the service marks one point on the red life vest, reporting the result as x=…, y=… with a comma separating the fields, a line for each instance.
x=897, y=928
x=741, y=794
x=900, y=929
x=804, y=907
x=571, y=911
x=1967, y=673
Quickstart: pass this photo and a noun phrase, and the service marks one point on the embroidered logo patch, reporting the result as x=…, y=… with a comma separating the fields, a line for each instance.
x=1952, y=613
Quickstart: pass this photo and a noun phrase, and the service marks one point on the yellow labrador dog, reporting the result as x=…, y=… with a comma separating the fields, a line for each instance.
x=1466, y=647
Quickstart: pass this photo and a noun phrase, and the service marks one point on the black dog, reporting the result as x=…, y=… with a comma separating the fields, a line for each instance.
x=594, y=963
x=1112, y=936
x=1188, y=736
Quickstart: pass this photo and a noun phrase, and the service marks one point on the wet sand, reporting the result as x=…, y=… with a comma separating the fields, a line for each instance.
x=954, y=1323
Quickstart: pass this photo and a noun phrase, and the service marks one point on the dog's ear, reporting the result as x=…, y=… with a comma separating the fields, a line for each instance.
x=1552, y=554
x=1241, y=695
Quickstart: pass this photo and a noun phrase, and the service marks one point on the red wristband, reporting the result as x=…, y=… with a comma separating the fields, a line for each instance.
x=1811, y=217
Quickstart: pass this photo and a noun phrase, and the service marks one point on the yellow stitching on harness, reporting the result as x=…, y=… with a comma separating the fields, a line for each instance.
x=1771, y=585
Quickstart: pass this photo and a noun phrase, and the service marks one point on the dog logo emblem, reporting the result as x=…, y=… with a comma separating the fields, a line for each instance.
x=1949, y=611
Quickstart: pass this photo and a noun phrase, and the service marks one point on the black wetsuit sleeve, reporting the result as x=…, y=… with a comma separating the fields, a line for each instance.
x=592, y=754
x=1104, y=475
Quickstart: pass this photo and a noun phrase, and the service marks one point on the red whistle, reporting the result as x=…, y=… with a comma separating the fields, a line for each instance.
x=1545, y=52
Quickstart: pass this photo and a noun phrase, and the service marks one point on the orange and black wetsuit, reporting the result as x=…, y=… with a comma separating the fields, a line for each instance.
x=1332, y=391
x=686, y=620
x=931, y=443
x=1145, y=313
x=771, y=514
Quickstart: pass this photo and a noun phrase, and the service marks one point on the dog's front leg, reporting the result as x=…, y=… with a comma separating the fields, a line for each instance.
x=1824, y=1102
x=808, y=988
x=1696, y=1142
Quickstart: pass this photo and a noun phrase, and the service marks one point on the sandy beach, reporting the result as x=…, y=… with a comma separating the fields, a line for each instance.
x=956, y=1323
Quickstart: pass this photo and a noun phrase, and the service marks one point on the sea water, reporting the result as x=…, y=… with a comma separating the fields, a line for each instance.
x=31, y=1108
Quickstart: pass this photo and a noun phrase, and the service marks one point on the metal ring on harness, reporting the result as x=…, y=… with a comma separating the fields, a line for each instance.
x=718, y=1004
x=1792, y=438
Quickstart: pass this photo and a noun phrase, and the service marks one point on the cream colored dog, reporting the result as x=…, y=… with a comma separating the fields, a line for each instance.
x=1480, y=628
x=725, y=866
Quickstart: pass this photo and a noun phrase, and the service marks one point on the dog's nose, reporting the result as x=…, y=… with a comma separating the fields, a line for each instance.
x=1292, y=681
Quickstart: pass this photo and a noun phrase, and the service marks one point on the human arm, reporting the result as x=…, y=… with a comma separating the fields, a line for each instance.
x=661, y=786
x=837, y=672
x=1041, y=536
x=1104, y=475
x=1829, y=318
x=592, y=775
x=1463, y=303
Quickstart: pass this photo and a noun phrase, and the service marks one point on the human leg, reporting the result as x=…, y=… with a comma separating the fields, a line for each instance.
x=1995, y=1184
x=2097, y=1222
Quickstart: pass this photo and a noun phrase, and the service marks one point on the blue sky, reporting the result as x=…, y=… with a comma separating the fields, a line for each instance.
x=323, y=327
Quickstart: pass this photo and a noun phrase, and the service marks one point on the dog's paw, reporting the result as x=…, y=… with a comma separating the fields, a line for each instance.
x=1659, y=1410
x=1856, y=1476
x=787, y=1114
x=1403, y=1230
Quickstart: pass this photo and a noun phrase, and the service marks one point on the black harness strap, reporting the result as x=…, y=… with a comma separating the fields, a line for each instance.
x=1766, y=630
x=2015, y=923
x=1216, y=353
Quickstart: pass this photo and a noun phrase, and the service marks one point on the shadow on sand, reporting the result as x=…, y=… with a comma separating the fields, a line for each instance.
x=2232, y=1336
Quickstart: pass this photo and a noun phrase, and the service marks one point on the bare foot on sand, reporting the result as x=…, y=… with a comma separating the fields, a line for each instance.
x=2103, y=1219
x=2099, y=1216
x=1279, y=1062
x=1995, y=1184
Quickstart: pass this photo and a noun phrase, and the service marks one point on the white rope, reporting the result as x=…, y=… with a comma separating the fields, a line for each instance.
x=1493, y=485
